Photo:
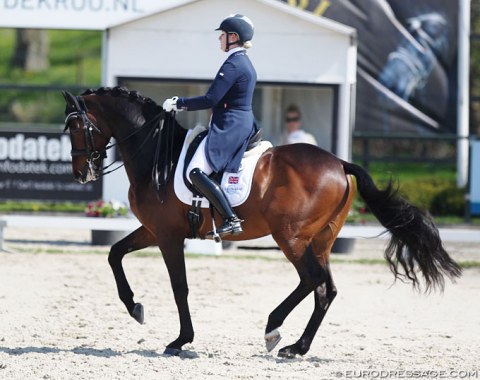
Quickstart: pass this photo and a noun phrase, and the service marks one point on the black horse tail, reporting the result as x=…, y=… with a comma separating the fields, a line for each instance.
x=415, y=240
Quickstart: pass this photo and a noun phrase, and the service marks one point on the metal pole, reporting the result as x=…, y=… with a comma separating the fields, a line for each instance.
x=105, y=79
x=463, y=92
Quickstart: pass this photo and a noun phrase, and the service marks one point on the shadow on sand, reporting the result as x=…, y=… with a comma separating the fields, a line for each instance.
x=88, y=351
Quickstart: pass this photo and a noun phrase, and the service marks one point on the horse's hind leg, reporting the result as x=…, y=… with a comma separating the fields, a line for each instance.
x=277, y=316
x=314, y=271
x=324, y=292
x=310, y=273
x=138, y=239
x=315, y=276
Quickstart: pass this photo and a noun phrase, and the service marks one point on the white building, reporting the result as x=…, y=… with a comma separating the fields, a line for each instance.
x=299, y=57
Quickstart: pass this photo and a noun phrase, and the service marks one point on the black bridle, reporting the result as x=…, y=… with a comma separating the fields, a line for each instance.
x=90, y=129
x=160, y=127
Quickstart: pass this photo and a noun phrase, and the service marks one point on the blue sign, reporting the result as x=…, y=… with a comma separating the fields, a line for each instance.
x=475, y=178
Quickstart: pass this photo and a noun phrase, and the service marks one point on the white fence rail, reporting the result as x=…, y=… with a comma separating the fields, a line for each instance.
x=201, y=246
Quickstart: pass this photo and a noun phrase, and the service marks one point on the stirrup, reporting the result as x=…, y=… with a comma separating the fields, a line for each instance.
x=230, y=226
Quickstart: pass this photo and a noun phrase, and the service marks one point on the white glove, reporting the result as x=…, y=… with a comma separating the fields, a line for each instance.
x=170, y=105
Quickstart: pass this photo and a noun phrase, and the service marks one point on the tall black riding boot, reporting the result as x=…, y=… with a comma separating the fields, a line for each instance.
x=213, y=192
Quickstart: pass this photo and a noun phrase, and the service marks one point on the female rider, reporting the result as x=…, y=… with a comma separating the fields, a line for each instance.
x=232, y=123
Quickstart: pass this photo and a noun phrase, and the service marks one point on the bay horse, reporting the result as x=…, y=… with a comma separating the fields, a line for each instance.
x=301, y=195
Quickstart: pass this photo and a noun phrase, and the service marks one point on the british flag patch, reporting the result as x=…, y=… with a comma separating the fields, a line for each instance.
x=233, y=180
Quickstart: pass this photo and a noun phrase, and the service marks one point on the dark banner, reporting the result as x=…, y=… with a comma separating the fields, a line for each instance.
x=407, y=61
x=37, y=166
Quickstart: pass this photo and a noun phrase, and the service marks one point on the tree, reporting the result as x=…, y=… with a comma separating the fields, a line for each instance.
x=31, y=50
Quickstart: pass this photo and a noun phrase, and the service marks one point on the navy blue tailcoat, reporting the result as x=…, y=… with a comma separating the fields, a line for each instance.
x=232, y=124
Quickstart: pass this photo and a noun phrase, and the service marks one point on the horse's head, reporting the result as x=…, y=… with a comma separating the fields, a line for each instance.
x=87, y=137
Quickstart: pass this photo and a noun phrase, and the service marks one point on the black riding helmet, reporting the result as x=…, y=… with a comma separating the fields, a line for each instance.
x=239, y=24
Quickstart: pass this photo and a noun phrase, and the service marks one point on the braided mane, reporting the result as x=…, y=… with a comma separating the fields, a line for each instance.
x=121, y=92
x=168, y=143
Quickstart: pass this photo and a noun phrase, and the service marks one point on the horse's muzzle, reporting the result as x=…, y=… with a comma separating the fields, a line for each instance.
x=88, y=174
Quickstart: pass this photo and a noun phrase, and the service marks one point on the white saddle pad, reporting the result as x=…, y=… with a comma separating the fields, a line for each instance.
x=236, y=186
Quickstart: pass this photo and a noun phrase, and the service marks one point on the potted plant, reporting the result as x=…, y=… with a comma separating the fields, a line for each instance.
x=106, y=209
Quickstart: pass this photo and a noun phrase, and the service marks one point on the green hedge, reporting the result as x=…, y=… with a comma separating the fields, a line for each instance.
x=39, y=206
x=438, y=196
x=450, y=201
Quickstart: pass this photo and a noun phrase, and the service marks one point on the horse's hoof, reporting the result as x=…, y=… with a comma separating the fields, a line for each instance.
x=137, y=313
x=272, y=339
x=172, y=351
x=287, y=353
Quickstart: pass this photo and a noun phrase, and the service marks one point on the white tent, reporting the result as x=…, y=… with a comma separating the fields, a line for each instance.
x=299, y=57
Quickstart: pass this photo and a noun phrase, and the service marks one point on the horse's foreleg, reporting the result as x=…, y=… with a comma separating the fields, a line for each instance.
x=324, y=294
x=173, y=255
x=138, y=239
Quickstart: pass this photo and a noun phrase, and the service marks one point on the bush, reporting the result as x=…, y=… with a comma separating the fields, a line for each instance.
x=39, y=206
x=438, y=196
x=450, y=201
x=421, y=192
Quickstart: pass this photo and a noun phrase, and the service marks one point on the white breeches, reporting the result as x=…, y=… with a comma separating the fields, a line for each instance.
x=199, y=160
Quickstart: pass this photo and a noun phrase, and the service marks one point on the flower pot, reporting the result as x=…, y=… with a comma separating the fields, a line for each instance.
x=102, y=237
x=343, y=245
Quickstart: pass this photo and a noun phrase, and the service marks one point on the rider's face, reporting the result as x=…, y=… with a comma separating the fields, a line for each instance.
x=223, y=41
x=232, y=38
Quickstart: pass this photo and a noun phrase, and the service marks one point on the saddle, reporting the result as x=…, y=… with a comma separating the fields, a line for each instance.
x=253, y=142
x=194, y=214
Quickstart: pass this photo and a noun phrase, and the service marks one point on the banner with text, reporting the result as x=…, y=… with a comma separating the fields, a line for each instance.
x=37, y=166
x=75, y=14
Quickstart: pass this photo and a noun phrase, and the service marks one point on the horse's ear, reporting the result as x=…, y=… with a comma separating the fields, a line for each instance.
x=71, y=100
x=82, y=103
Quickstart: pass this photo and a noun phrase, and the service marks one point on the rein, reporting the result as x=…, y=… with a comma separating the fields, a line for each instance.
x=163, y=165
x=156, y=119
